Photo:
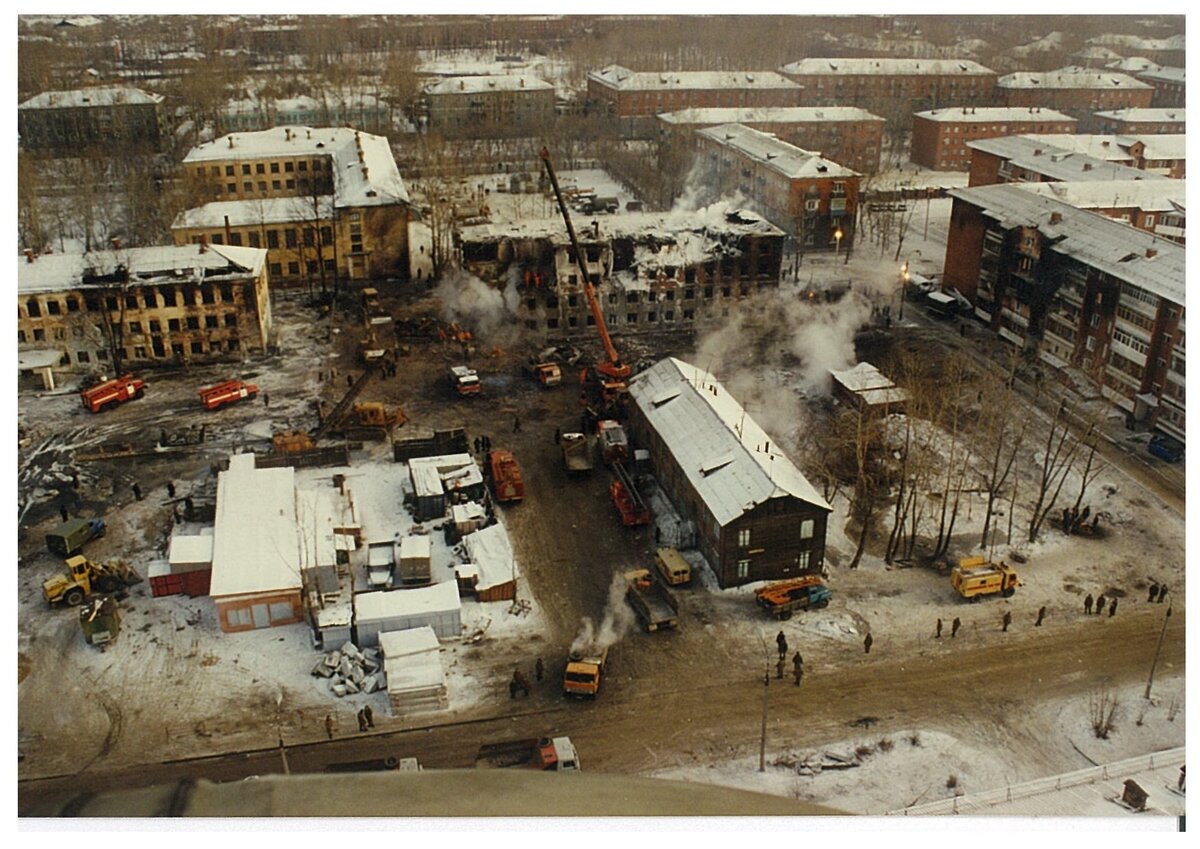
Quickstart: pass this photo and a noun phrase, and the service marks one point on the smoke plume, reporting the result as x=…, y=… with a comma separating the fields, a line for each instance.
x=490, y=313
x=615, y=623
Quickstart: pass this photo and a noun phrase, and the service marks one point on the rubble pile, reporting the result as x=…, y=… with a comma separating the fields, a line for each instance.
x=351, y=670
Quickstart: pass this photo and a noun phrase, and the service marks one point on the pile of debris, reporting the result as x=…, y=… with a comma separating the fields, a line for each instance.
x=351, y=670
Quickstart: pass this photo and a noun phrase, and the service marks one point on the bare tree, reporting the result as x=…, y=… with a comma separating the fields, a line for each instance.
x=1003, y=425
x=1054, y=465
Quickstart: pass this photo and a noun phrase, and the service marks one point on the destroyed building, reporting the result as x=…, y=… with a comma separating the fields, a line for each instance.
x=756, y=517
x=652, y=271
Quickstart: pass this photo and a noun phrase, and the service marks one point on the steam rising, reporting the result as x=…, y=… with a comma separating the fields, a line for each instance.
x=618, y=618
x=490, y=313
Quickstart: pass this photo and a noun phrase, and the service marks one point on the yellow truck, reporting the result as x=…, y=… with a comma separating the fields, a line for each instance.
x=672, y=567
x=975, y=576
x=581, y=678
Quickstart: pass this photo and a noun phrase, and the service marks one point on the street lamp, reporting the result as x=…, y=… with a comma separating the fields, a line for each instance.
x=837, y=235
x=903, y=288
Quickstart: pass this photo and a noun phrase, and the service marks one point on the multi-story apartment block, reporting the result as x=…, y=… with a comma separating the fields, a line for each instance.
x=940, y=136
x=1140, y=122
x=813, y=199
x=1015, y=159
x=845, y=134
x=1170, y=86
x=497, y=103
x=1165, y=155
x=70, y=120
x=144, y=306
x=1076, y=91
x=909, y=84
x=1082, y=290
x=652, y=271
x=1156, y=206
x=1164, y=51
x=331, y=109
x=324, y=201
x=636, y=97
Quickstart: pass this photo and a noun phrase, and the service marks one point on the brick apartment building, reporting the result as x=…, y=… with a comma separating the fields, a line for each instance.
x=652, y=271
x=1014, y=159
x=1165, y=155
x=1156, y=206
x=1170, y=86
x=1163, y=51
x=636, y=97
x=845, y=134
x=940, y=136
x=910, y=84
x=813, y=199
x=160, y=305
x=497, y=103
x=1140, y=122
x=1075, y=91
x=65, y=121
x=1082, y=290
x=325, y=202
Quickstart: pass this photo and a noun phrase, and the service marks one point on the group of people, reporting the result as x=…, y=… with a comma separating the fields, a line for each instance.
x=519, y=681
x=1099, y=605
x=797, y=661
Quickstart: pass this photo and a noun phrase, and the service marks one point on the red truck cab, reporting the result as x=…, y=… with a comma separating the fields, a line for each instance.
x=229, y=392
x=506, y=476
x=110, y=393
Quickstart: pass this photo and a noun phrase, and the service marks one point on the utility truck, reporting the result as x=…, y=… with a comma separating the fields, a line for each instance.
x=782, y=598
x=549, y=754
x=69, y=538
x=975, y=576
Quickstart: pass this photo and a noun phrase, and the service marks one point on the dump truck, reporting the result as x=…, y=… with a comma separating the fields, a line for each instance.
x=581, y=678
x=100, y=621
x=672, y=568
x=84, y=577
x=652, y=601
x=576, y=453
x=626, y=498
x=465, y=380
x=975, y=576
x=549, y=754
x=69, y=538
x=506, y=476
x=229, y=392
x=782, y=598
x=110, y=393
x=547, y=374
x=614, y=444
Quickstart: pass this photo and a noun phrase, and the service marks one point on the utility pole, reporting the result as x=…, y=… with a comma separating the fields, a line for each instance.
x=762, y=744
x=1157, y=652
x=279, y=731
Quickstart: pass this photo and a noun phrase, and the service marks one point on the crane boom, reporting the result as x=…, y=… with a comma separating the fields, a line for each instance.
x=614, y=368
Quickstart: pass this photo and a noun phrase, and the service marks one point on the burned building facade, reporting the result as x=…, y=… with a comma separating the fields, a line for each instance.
x=652, y=271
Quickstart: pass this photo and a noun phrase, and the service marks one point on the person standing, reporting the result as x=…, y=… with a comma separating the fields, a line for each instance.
x=797, y=667
x=779, y=668
x=1112, y=607
x=1100, y=605
x=369, y=715
x=938, y=635
x=1087, y=604
x=539, y=669
x=266, y=400
x=1162, y=593
x=362, y=721
x=1041, y=615
x=170, y=489
x=781, y=643
x=954, y=626
x=516, y=424
x=1153, y=592
x=62, y=511
x=1007, y=620
x=137, y=491
x=867, y=644
x=329, y=726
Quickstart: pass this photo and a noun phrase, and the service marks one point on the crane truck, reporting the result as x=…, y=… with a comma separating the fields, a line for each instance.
x=781, y=599
x=603, y=384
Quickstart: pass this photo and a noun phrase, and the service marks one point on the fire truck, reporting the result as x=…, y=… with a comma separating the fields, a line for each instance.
x=229, y=392
x=110, y=393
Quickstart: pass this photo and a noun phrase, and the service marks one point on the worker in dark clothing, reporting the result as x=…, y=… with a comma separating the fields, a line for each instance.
x=779, y=667
x=75, y=480
x=1100, y=605
x=1153, y=592
x=954, y=626
x=369, y=715
x=170, y=489
x=476, y=444
x=797, y=667
x=137, y=491
x=188, y=507
x=1087, y=604
x=939, y=629
x=516, y=424
x=867, y=644
x=349, y=380
x=266, y=400
x=329, y=726
x=539, y=669
x=1007, y=620
x=1112, y=607
x=62, y=511
x=1041, y=615
x=781, y=643
x=362, y=721
x=1162, y=593
x=557, y=435
x=519, y=682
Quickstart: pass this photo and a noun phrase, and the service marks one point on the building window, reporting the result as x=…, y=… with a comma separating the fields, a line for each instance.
x=802, y=560
x=289, y=237
x=135, y=327
x=39, y=335
x=247, y=187
x=275, y=185
x=259, y=168
x=72, y=304
x=193, y=322
x=245, y=169
x=52, y=308
x=743, y=537
x=210, y=321
x=274, y=167
x=743, y=568
x=168, y=297
x=83, y=357
x=272, y=238
x=20, y=335
x=807, y=527
x=254, y=239
x=197, y=347
x=293, y=268
x=228, y=170
x=288, y=167
x=276, y=269
x=231, y=319
x=155, y=326
x=172, y=324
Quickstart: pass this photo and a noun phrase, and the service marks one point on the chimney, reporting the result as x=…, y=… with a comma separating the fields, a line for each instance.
x=1055, y=217
x=231, y=142
x=228, y=240
x=366, y=173
x=28, y=255
x=1151, y=253
x=1087, y=166
x=596, y=229
x=287, y=133
x=522, y=82
x=308, y=134
x=203, y=243
x=116, y=243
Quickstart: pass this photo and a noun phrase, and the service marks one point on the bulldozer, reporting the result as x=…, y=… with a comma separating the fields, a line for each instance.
x=291, y=442
x=370, y=420
x=84, y=577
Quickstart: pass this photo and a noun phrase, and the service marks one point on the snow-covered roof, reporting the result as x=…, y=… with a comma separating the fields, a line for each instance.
x=1144, y=113
x=729, y=460
x=989, y=114
x=412, y=660
x=1164, y=146
x=110, y=96
x=318, y=512
x=1137, y=42
x=769, y=114
x=255, y=546
x=497, y=82
x=256, y=211
x=413, y=546
x=881, y=65
x=1136, y=64
x=191, y=548
x=623, y=79
x=768, y=150
x=435, y=475
x=1056, y=163
x=373, y=181
x=1071, y=78
x=410, y=641
x=391, y=604
x=862, y=377
x=1109, y=148
x=491, y=553
x=167, y=264
x=1147, y=195
x=659, y=227
x=1126, y=253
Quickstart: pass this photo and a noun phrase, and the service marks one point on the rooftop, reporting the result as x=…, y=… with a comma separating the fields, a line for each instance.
x=257, y=211
x=1147, y=195
x=1144, y=114
x=90, y=97
x=623, y=79
x=729, y=460
x=1165, y=146
x=1110, y=148
x=771, y=114
x=498, y=82
x=659, y=227
x=166, y=264
x=1123, y=252
x=988, y=114
x=1168, y=75
x=880, y=65
x=1071, y=78
x=364, y=170
x=1056, y=163
x=787, y=159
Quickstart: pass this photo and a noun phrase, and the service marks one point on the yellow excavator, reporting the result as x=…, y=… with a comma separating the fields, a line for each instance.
x=84, y=577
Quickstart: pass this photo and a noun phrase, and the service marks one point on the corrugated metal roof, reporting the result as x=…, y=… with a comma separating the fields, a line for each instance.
x=729, y=460
x=1057, y=163
x=1109, y=246
x=787, y=159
